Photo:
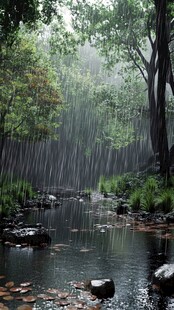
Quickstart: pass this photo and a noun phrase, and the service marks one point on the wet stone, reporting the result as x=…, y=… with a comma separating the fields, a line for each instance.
x=34, y=236
x=163, y=279
x=101, y=288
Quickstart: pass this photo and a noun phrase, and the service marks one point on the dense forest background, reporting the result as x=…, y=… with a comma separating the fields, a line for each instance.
x=95, y=76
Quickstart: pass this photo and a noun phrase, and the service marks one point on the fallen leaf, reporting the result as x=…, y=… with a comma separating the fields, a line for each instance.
x=62, y=303
x=24, y=307
x=78, y=285
x=49, y=298
x=25, y=284
x=3, y=289
x=79, y=304
x=45, y=297
x=41, y=296
x=29, y=299
x=9, y=297
x=15, y=289
x=19, y=298
x=63, y=295
x=4, y=308
x=25, y=290
x=53, y=291
x=9, y=284
x=4, y=294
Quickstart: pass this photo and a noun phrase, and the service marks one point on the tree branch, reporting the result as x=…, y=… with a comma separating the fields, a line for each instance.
x=170, y=79
x=149, y=31
x=136, y=64
x=8, y=133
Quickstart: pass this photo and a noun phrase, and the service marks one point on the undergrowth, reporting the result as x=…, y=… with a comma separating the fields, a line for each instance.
x=143, y=192
x=13, y=194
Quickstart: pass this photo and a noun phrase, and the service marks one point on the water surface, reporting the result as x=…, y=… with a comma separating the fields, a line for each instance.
x=126, y=256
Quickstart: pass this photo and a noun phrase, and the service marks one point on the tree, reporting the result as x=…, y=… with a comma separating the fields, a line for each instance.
x=163, y=65
x=121, y=30
x=118, y=108
x=30, y=98
x=28, y=12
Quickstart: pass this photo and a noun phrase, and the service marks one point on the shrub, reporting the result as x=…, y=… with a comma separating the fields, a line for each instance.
x=7, y=205
x=22, y=190
x=151, y=185
x=12, y=193
x=102, y=185
x=148, y=201
x=165, y=200
x=135, y=200
x=113, y=184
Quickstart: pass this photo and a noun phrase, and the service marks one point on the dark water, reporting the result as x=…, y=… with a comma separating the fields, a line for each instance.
x=126, y=256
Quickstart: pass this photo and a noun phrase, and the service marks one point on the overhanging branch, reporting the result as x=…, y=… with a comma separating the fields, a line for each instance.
x=136, y=64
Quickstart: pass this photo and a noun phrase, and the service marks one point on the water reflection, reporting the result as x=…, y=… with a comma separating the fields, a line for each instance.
x=126, y=256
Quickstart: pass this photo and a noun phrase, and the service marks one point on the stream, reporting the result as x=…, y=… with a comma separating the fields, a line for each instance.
x=87, y=251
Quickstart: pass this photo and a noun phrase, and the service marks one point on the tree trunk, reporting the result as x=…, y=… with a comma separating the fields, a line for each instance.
x=153, y=111
x=163, y=63
x=2, y=142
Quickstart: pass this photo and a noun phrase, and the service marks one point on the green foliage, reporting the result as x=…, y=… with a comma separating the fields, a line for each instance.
x=103, y=186
x=165, y=200
x=135, y=200
x=121, y=185
x=30, y=97
x=117, y=28
x=143, y=192
x=151, y=185
x=21, y=191
x=117, y=185
x=13, y=13
x=149, y=191
x=7, y=205
x=117, y=109
x=148, y=201
x=12, y=194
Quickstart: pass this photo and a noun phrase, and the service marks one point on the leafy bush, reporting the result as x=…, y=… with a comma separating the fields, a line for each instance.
x=151, y=184
x=12, y=194
x=135, y=200
x=165, y=200
x=148, y=201
x=7, y=205
x=22, y=190
x=119, y=185
x=103, y=189
x=148, y=193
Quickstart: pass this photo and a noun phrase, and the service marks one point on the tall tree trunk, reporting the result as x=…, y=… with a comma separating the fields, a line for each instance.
x=2, y=141
x=163, y=64
x=153, y=111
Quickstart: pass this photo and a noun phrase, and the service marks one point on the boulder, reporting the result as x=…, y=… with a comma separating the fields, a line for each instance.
x=102, y=288
x=122, y=209
x=34, y=236
x=163, y=279
x=170, y=218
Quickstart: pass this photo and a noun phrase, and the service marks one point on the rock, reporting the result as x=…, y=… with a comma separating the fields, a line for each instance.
x=122, y=209
x=102, y=288
x=34, y=236
x=170, y=217
x=163, y=279
x=52, y=198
